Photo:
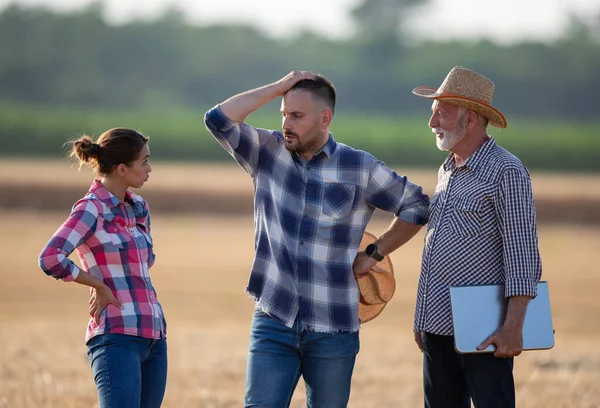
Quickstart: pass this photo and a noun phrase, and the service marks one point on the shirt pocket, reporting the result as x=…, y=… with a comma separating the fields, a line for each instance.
x=116, y=235
x=338, y=199
x=466, y=218
x=144, y=232
x=149, y=245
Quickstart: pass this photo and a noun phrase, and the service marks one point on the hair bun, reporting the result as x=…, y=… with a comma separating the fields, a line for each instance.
x=87, y=149
x=94, y=149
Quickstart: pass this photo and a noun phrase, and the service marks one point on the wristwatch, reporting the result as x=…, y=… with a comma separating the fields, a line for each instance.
x=371, y=250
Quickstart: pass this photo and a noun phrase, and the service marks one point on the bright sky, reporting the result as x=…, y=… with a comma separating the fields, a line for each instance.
x=504, y=21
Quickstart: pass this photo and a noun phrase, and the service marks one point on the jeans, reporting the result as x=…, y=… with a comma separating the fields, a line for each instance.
x=451, y=380
x=129, y=371
x=278, y=356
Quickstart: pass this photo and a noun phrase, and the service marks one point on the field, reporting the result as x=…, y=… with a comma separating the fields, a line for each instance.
x=200, y=275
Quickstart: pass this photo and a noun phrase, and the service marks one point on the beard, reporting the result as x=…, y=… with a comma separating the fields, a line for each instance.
x=450, y=138
x=302, y=144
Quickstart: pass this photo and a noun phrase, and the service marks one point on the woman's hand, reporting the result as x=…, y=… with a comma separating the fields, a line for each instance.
x=100, y=299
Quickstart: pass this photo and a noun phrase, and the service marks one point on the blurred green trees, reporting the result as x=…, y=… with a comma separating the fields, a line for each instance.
x=79, y=63
x=79, y=59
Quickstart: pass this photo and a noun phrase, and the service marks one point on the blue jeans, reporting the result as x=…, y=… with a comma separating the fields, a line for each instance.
x=129, y=371
x=278, y=356
x=451, y=380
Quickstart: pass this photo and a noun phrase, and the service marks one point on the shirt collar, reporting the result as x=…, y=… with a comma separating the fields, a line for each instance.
x=475, y=160
x=104, y=195
x=108, y=198
x=329, y=147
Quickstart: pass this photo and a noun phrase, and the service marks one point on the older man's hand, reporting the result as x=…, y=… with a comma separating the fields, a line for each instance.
x=508, y=341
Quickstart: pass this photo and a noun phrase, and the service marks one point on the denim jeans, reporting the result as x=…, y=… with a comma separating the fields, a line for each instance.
x=129, y=371
x=451, y=380
x=278, y=356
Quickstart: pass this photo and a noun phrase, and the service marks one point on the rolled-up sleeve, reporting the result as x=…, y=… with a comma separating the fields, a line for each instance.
x=516, y=214
x=391, y=192
x=241, y=141
x=54, y=258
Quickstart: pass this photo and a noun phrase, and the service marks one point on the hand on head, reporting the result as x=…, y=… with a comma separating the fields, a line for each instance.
x=287, y=82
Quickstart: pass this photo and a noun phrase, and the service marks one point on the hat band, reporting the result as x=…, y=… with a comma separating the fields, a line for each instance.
x=445, y=94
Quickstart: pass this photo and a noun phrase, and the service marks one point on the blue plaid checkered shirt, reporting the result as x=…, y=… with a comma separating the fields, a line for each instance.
x=309, y=220
x=482, y=230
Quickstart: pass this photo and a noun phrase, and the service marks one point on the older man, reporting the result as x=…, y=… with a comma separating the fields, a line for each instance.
x=482, y=230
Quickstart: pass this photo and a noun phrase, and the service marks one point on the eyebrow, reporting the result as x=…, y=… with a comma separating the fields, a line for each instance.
x=439, y=108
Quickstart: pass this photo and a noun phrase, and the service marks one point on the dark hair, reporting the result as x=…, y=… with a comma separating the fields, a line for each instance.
x=115, y=146
x=321, y=88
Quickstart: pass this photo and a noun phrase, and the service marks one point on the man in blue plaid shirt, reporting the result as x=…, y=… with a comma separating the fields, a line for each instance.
x=313, y=198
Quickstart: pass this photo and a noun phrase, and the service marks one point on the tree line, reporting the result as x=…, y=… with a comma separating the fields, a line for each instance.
x=78, y=59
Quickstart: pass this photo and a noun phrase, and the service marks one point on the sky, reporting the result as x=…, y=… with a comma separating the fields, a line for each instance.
x=503, y=21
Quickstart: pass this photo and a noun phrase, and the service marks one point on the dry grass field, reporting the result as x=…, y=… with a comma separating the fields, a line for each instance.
x=43, y=361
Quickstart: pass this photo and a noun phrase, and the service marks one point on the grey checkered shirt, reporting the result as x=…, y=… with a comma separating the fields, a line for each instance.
x=482, y=230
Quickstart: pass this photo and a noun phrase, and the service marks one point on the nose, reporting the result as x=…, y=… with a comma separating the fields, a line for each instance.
x=149, y=168
x=433, y=121
x=285, y=124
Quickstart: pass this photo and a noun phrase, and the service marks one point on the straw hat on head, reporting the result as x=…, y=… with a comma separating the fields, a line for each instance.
x=466, y=88
x=377, y=288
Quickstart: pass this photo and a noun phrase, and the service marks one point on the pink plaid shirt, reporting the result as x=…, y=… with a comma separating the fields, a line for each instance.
x=112, y=239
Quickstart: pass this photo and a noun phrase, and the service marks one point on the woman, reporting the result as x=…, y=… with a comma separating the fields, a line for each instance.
x=110, y=230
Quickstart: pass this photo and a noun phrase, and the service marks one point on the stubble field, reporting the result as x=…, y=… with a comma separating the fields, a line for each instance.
x=200, y=274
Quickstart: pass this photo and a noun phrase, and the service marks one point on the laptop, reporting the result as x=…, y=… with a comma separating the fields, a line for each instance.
x=478, y=310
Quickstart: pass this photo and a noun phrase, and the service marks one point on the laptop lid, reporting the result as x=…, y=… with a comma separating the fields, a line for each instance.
x=478, y=310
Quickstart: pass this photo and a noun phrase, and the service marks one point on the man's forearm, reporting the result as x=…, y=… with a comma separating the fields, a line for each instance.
x=238, y=107
x=399, y=233
x=515, y=313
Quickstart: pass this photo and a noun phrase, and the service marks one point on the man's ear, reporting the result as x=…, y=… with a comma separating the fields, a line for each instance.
x=471, y=118
x=326, y=117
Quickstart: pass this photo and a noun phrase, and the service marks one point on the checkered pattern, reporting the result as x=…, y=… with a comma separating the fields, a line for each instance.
x=482, y=230
x=113, y=242
x=309, y=219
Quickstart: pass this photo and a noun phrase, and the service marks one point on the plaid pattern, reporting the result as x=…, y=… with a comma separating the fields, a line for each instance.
x=309, y=219
x=113, y=242
x=482, y=231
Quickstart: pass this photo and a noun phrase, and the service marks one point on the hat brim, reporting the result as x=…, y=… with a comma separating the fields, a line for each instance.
x=495, y=117
x=382, y=275
x=367, y=313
